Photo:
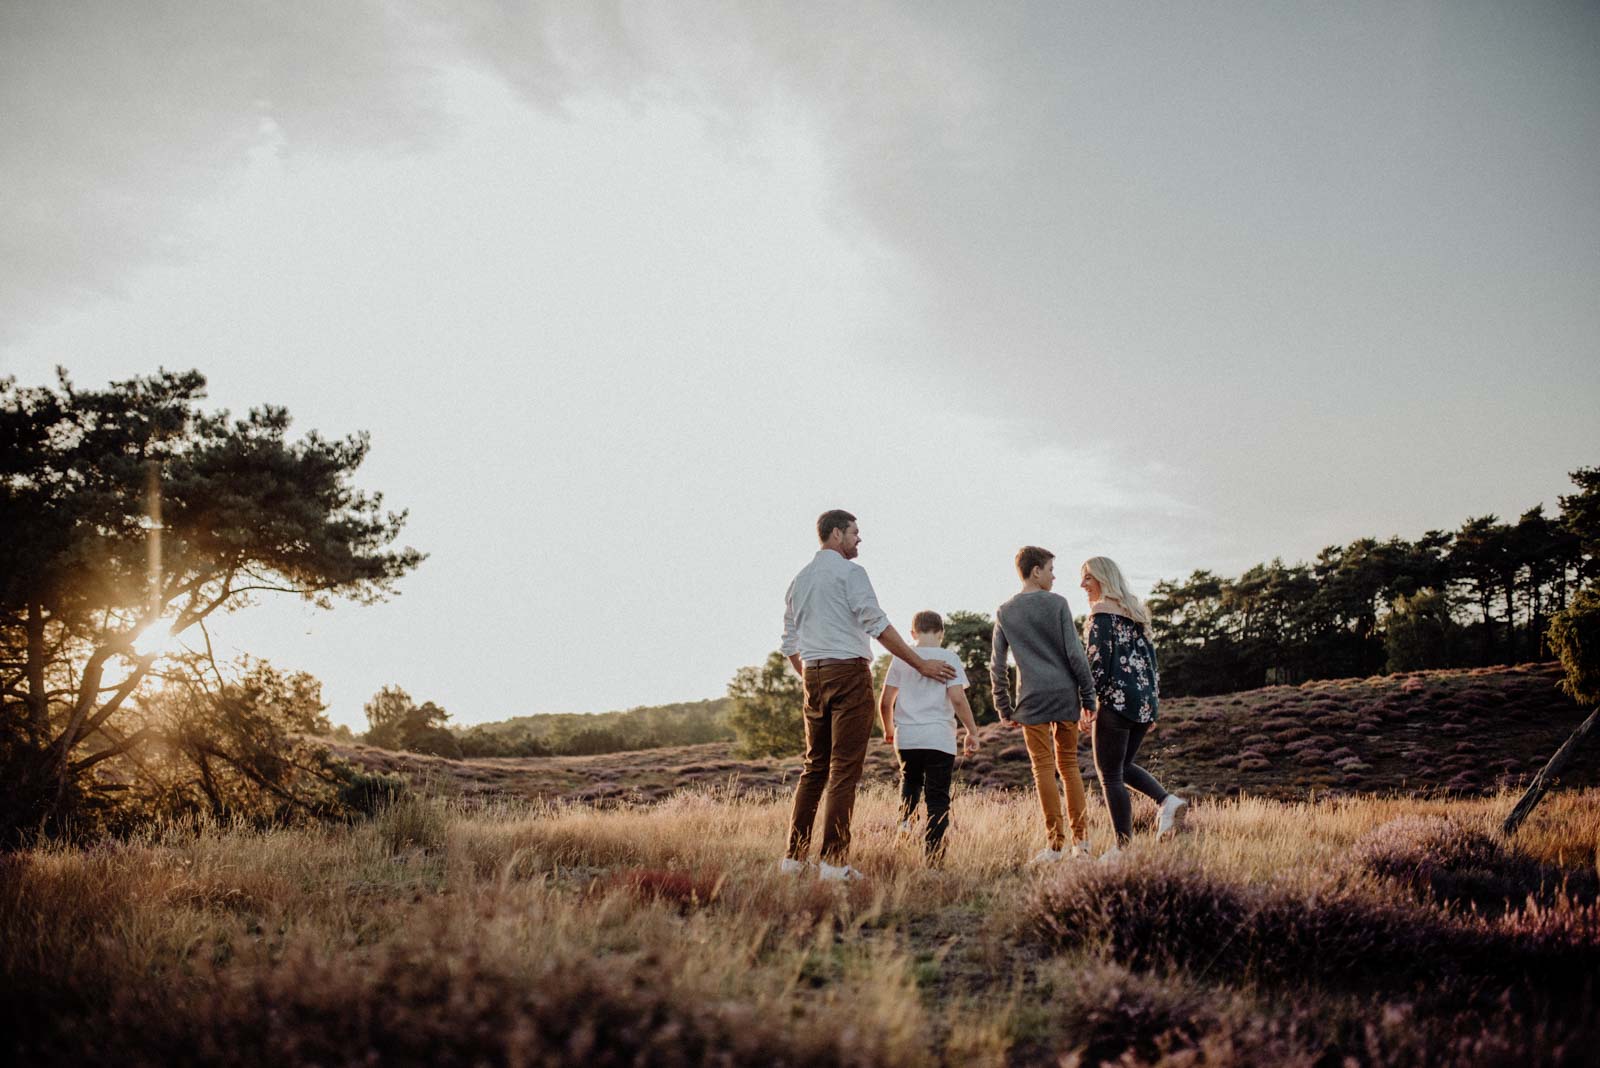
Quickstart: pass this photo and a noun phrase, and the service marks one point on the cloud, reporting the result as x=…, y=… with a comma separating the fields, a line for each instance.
x=119, y=118
x=1245, y=239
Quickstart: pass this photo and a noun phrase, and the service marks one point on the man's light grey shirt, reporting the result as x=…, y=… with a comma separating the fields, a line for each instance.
x=1053, y=677
x=830, y=611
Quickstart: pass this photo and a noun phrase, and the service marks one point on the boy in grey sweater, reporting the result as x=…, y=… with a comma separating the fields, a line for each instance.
x=1054, y=686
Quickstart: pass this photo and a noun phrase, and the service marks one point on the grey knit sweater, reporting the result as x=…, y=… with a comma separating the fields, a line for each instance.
x=1054, y=681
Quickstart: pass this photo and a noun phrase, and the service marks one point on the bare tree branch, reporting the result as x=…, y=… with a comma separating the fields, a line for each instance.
x=119, y=748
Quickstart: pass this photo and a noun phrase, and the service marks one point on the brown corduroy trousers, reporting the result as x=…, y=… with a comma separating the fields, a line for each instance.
x=839, y=715
x=1053, y=748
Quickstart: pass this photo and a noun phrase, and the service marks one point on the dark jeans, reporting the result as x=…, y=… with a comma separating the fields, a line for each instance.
x=927, y=771
x=839, y=715
x=1116, y=743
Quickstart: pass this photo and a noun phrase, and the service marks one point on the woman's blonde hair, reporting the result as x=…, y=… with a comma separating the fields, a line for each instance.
x=1114, y=588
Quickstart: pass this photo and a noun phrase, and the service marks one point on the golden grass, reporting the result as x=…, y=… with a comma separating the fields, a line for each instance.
x=220, y=928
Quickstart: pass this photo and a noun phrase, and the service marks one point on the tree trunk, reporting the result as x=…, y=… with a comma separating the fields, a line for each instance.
x=1511, y=623
x=1485, y=598
x=1551, y=771
x=38, y=701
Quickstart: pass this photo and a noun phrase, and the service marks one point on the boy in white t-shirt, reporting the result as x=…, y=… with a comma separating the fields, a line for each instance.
x=918, y=722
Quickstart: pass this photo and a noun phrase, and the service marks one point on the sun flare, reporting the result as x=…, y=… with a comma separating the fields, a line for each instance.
x=156, y=640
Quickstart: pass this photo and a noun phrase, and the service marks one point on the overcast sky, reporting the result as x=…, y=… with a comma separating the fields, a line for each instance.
x=627, y=294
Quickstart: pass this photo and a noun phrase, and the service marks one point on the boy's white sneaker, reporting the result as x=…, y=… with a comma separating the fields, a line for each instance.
x=1046, y=856
x=1170, y=819
x=839, y=873
x=1111, y=855
x=790, y=866
x=1080, y=851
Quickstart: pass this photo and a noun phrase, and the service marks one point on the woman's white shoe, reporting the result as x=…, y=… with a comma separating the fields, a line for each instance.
x=1170, y=820
x=840, y=873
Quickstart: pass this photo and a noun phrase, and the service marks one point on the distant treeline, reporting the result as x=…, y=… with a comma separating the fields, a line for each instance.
x=396, y=721
x=578, y=734
x=1481, y=594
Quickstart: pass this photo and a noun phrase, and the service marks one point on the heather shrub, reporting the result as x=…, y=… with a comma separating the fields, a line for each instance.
x=1441, y=861
x=366, y=793
x=1254, y=763
x=427, y=1001
x=1116, y=1016
x=1166, y=915
x=684, y=890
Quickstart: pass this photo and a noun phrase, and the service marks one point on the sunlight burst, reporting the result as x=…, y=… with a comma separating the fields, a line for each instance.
x=156, y=640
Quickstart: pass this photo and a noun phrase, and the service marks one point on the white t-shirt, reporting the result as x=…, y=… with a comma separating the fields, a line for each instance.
x=923, y=718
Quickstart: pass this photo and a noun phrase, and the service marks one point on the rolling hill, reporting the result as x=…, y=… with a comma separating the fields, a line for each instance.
x=1465, y=732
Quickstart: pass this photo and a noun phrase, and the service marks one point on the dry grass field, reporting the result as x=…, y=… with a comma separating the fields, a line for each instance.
x=628, y=910
x=1462, y=732
x=1355, y=931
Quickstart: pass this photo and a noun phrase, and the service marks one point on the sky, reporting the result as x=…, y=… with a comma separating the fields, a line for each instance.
x=627, y=294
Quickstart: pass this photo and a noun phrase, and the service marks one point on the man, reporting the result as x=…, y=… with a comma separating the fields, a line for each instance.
x=830, y=614
x=1053, y=684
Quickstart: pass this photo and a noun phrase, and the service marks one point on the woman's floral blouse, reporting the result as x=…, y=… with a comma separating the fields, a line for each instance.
x=1124, y=666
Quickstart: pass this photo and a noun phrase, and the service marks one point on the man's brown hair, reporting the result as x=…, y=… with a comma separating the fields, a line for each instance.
x=832, y=520
x=927, y=623
x=1030, y=557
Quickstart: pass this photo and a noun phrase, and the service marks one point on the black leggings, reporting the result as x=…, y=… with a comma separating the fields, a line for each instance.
x=1116, y=743
x=927, y=771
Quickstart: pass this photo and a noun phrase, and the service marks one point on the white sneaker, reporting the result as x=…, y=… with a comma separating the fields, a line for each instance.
x=1111, y=855
x=1170, y=819
x=1080, y=851
x=840, y=873
x=790, y=866
x=1046, y=856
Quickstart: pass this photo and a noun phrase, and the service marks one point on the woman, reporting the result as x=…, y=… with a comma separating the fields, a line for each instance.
x=1123, y=661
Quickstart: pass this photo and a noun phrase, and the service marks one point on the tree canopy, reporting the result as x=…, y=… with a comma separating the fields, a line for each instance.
x=129, y=511
x=395, y=721
x=767, y=712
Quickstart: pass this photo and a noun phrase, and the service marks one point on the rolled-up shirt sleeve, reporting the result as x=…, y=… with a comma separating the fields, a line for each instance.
x=999, y=676
x=864, y=603
x=791, y=629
